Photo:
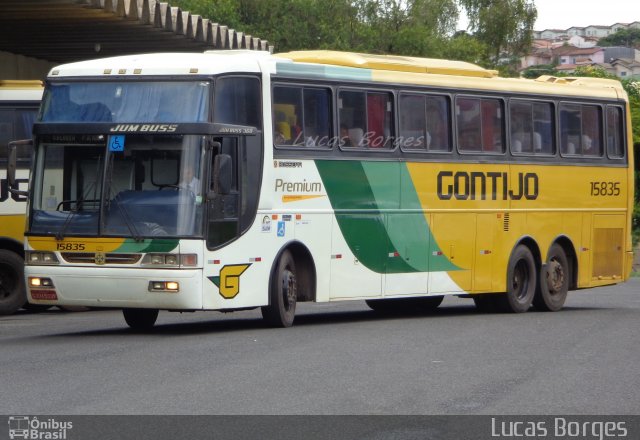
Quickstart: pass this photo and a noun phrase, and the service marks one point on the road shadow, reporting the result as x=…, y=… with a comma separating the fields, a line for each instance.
x=307, y=318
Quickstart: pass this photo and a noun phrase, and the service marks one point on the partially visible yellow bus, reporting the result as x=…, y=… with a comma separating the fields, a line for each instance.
x=19, y=103
x=234, y=180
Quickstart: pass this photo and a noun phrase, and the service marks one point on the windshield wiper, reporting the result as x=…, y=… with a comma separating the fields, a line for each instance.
x=127, y=220
x=71, y=215
x=65, y=225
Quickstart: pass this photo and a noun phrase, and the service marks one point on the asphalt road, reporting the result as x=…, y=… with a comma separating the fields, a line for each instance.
x=339, y=358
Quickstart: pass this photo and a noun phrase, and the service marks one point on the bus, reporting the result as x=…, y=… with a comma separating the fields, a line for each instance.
x=19, y=102
x=235, y=180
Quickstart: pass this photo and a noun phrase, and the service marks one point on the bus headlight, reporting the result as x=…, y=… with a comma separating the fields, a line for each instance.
x=164, y=286
x=40, y=282
x=38, y=257
x=170, y=260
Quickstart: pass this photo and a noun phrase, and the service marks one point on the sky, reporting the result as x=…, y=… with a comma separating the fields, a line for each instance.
x=563, y=14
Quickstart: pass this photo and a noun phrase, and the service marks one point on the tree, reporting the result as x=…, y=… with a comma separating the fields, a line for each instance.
x=504, y=26
x=624, y=37
x=532, y=72
x=464, y=47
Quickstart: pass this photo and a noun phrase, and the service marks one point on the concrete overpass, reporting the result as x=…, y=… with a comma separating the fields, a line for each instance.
x=36, y=35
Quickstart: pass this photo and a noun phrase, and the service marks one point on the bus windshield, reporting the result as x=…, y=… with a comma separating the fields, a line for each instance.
x=153, y=188
x=126, y=101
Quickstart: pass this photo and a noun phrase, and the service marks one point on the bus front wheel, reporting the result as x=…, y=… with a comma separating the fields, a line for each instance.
x=140, y=319
x=12, y=290
x=554, y=281
x=283, y=291
x=521, y=281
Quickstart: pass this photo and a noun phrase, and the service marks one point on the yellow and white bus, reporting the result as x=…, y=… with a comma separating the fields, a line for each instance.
x=234, y=180
x=19, y=102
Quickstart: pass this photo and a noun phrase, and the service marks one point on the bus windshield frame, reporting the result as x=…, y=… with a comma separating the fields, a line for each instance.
x=159, y=101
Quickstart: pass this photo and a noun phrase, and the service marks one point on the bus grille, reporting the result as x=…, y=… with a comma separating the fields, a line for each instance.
x=93, y=258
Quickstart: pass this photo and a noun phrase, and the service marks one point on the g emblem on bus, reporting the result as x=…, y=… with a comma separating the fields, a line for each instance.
x=100, y=258
x=229, y=280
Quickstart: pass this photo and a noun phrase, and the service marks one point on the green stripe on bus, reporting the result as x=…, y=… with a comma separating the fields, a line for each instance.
x=148, y=245
x=380, y=216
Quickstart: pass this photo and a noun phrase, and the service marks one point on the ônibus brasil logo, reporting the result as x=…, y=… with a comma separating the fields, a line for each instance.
x=25, y=427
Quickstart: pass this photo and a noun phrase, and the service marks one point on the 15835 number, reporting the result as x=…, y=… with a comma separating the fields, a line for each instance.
x=605, y=188
x=70, y=246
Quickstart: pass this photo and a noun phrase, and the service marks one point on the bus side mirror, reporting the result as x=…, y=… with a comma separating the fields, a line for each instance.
x=11, y=164
x=222, y=174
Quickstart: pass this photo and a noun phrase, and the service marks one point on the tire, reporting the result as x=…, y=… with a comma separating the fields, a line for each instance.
x=553, y=284
x=283, y=293
x=140, y=319
x=521, y=282
x=405, y=305
x=13, y=294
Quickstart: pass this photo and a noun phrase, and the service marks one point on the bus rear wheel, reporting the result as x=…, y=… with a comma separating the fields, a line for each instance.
x=12, y=290
x=140, y=319
x=521, y=281
x=554, y=281
x=283, y=293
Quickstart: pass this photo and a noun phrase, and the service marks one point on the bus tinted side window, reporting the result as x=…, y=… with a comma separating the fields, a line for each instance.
x=365, y=119
x=302, y=117
x=581, y=130
x=424, y=123
x=532, y=128
x=615, y=136
x=15, y=124
x=237, y=101
x=480, y=125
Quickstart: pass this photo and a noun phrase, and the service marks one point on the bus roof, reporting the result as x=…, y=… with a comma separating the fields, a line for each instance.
x=20, y=84
x=208, y=63
x=341, y=66
x=390, y=62
x=439, y=73
x=20, y=90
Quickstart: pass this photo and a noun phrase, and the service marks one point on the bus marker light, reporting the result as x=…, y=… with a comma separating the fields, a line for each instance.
x=255, y=260
x=336, y=257
x=274, y=217
x=436, y=253
x=216, y=261
x=298, y=216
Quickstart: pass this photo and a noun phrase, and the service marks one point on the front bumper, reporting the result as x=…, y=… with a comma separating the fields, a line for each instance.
x=115, y=287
